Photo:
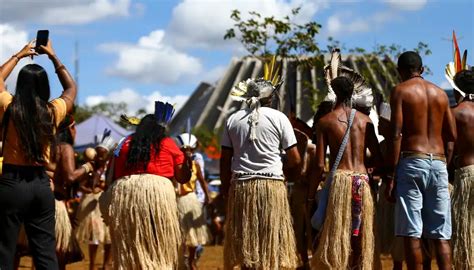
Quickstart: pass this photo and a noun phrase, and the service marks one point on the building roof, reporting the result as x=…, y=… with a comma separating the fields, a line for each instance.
x=209, y=105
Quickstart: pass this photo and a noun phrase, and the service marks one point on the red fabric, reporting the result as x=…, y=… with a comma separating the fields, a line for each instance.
x=162, y=164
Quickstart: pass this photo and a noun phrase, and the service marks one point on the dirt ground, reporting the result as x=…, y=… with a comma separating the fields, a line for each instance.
x=212, y=259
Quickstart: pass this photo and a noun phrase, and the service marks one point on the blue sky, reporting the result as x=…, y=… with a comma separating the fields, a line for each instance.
x=139, y=51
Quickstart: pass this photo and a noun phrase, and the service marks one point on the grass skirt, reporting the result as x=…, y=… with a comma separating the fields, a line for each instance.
x=463, y=218
x=334, y=249
x=192, y=220
x=143, y=220
x=91, y=228
x=63, y=228
x=67, y=247
x=387, y=242
x=259, y=232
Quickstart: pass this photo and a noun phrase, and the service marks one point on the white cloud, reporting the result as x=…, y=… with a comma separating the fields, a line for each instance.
x=11, y=40
x=150, y=60
x=409, y=5
x=336, y=25
x=62, y=11
x=214, y=74
x=202, y=24
x=136, y=101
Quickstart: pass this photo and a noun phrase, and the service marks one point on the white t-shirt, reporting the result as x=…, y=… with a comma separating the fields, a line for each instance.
x=260, y=158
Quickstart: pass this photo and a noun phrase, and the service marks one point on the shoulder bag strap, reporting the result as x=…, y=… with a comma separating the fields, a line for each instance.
x=342, y=148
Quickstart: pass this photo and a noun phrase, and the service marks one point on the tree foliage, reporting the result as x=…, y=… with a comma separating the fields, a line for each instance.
x=262, y=36
x=108, y=109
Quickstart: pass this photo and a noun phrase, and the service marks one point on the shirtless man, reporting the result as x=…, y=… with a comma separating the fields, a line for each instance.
x=463, y=213
x=422, y=125
x=349, y=182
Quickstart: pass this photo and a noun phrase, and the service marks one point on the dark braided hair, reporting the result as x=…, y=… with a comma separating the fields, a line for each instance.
x=148, y=135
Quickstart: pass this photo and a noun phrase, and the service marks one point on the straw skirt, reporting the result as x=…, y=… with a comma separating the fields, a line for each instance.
x=334, y=249
x=387, y=243
x=259, y=232
x=143, y=219
x=91, y=228
x=193, y=221
x=463, y=218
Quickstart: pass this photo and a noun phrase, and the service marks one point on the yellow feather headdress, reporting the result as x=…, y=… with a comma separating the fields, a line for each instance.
x=261, y=87
x=452, y=68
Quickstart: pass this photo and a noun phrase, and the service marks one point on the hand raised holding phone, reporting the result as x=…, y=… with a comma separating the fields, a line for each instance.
x=42, y=38
x=28, y=50
x=48, y=49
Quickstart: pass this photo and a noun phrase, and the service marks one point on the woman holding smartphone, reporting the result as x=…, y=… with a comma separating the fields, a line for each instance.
x=29, y=122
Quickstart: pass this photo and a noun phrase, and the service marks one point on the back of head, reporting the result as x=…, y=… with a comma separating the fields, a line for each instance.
x=464, y=80
x=148, y=134
x=30, y=113
x=410, y=61
x=343, y=88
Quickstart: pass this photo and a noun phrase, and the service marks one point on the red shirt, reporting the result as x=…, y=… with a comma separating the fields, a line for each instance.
x=162, y=164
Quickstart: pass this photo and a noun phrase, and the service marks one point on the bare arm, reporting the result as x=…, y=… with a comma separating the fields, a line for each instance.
x=449, y=133
x=293, y=158
x=396, y=128
x=374, y=147
x=203, y=183
x=11, y=63
x=182, y=172
x=225, y=169
x=67, y=82
x=68, y=164
x=317, y=171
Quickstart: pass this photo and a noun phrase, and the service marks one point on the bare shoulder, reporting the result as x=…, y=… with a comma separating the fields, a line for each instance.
x=440, y=93
x=66, y=148
x=363, y=117
x=326, y=120
x=463, y=110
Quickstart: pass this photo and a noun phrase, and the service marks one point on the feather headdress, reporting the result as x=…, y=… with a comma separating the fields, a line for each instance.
x=163, y=114
x=362, y=95
x=452, y=68
x=253, y=90
x=131, y=120
x=261, y=87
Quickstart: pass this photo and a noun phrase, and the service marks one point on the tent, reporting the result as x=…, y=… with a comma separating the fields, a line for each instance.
x=89, y=130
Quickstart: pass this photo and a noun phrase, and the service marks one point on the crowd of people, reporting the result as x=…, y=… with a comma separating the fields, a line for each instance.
x=351, y=199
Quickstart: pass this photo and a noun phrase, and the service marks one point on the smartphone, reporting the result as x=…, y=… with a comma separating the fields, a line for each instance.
x=41, y=39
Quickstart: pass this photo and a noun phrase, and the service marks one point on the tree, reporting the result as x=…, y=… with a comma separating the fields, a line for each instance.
x=262, y=36
x=108, y=109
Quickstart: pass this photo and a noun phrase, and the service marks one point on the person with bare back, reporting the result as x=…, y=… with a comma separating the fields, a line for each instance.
x=422, y=126
x=350, y=211
x=463, y=193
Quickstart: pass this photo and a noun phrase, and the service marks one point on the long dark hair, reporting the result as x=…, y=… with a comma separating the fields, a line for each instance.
x=148, y=135
x=30, y=114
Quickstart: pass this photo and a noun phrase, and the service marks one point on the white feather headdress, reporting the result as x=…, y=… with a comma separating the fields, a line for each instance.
x=362, y=95
x=251, y=91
